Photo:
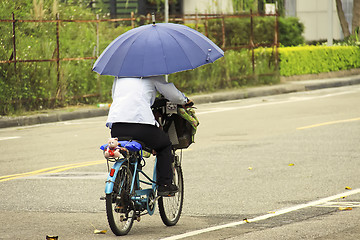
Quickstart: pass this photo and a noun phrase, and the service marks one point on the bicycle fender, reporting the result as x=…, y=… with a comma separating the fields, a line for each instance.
x=154, y=185
x=111, y=179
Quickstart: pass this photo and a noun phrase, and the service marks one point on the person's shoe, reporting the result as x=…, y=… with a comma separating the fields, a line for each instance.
x=167, y=190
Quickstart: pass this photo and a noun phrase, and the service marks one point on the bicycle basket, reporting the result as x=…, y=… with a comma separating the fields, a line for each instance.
x=180, y=132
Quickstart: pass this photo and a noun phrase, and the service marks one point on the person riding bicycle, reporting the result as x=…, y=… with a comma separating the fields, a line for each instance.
x=130, y=116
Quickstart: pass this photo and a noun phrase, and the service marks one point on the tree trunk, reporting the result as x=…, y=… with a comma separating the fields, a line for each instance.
x=344, y=24
x=356, y=17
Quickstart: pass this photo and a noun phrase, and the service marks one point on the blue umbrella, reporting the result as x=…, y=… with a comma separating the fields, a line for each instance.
x=156, y=49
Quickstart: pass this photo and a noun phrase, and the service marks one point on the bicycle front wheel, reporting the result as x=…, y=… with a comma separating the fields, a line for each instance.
x=119, y=208
x=170, y=207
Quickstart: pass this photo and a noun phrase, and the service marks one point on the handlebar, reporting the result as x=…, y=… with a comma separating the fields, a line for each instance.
x=189, y=103
x=161, y=102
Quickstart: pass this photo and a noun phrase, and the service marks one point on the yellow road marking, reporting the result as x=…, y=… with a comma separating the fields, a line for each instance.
x=329, y=123
x=50, y=170
x=80, y=165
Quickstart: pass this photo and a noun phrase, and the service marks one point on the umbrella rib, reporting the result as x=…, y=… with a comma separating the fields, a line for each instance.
x=193, y=67
x=182, y=48
x=128, y=50
x=114, y=43
x=134, y=36
x=162, y=47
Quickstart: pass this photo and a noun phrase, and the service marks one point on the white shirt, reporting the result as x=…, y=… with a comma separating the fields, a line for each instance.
x=133, y=98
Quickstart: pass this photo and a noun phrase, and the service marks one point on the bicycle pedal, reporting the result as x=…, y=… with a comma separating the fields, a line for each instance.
x=120, y=209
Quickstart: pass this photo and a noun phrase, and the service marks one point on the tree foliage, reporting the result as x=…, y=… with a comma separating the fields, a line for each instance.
x=37, y=85
x=355, y=20
x=237, y=31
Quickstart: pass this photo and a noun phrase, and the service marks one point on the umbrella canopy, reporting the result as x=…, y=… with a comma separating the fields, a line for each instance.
x=156, y=49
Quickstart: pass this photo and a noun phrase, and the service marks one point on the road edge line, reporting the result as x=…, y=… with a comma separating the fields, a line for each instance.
x=266, y=216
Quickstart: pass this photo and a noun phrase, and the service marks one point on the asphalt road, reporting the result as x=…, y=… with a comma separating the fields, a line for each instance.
x=280, y=162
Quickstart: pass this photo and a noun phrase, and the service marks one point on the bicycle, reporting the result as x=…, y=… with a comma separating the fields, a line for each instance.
x=125, y=200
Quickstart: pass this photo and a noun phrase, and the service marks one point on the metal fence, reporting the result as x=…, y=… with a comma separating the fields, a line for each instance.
x=196, y=19
x=251, y=45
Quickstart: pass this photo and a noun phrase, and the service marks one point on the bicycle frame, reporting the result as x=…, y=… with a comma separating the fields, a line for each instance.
x=142, y=197
x=112, y=175
x=125, y=198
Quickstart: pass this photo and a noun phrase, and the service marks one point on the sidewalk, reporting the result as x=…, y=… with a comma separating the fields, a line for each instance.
x=288, y=87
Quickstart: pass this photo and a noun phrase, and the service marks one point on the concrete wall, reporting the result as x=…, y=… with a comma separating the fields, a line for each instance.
x=314, y=15
x=209, y=6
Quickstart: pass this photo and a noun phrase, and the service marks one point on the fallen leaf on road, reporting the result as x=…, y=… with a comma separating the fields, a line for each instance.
x=250, y=168
x=99, y=231
x=291, y=164
x=348, y=188
x=96, y=231
x=246, y=220
x=345, y=208
x=51, y=237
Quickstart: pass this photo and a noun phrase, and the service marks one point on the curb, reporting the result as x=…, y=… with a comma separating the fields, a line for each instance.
x=49, y=118
x=336, y=82
x=289, y=87
x=247, y=93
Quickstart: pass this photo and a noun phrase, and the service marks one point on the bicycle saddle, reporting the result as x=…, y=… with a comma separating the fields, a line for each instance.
x=134, y=145
x=131, y=145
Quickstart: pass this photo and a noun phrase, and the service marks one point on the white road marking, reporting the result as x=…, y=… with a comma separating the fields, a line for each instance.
x=329, y=123
x=69, y=122
x=266, y=216
x=291, y=100
x=8, y=138
x=70, y=175
x=340, y=204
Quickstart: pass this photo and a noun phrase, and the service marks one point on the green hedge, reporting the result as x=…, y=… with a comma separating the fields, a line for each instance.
x=235, y=69
x=317, y=59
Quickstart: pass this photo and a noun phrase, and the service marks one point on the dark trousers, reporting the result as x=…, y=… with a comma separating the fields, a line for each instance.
x=153, y=137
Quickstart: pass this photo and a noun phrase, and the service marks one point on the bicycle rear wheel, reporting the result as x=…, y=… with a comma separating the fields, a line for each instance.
x=170, y=207
x=119, y=208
